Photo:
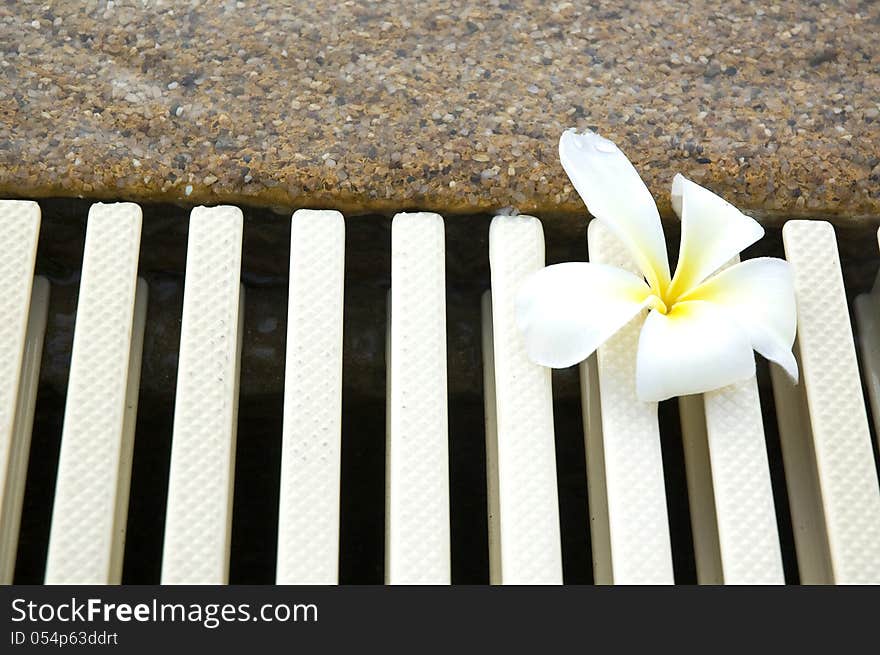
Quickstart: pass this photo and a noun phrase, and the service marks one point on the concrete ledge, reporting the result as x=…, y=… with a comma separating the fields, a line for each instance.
x=440, y=105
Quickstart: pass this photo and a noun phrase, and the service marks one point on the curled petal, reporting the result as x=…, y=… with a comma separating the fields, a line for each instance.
x=614, y=193
x=567, y=310
x=694, y=348
x=759, y=294
x=712, y=232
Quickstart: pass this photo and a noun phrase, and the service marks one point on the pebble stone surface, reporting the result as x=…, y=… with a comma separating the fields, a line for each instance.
x=439, y=105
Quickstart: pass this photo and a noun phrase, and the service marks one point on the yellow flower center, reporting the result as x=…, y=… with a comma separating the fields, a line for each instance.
x=657, y=304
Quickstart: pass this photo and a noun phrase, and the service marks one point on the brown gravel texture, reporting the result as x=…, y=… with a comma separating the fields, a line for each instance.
x=445, y=105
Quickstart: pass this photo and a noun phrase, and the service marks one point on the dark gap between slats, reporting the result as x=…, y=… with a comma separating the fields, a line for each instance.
x=571, y=478
x=265, y=275
x=362, y=506
x=681, y=537
x=467, y=276
x=162, y=263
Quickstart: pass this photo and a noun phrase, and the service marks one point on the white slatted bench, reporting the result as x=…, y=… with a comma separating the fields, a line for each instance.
x=833, y=491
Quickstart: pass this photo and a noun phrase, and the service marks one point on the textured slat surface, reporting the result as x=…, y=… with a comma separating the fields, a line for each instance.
x=527, y=491
x=746, y=514
x=93, y=471
x=198, y=518
x=733, y=517
x=417, y=451
x=308, y=517
x=19, y=231
x=638, y=527
x=844, y=461
x=733, y=478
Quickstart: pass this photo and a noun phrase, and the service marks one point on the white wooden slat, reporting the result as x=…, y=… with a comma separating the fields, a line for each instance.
x=629, y=445
x=417, y=549
x=87, y=535
x=308, y=518
x=200, y=486
x=19, y=232
x=528, y=504
x=837, y=447
x=867, y=311
x=733, y=516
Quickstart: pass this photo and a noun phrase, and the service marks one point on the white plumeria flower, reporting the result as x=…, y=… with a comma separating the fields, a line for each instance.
x=702, y=324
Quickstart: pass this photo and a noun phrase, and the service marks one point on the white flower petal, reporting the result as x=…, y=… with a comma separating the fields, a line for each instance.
x=759, y=294
x=567, y=310
x=614, y=193
x=694, y=348
x=712, y=232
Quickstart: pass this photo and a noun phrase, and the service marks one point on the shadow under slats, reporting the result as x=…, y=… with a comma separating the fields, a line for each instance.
x=265, y=274
x=571, y=478
x=467, y=276
x=362, y=503
x=162, y=263
x=152, y=442
x=680, y=534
